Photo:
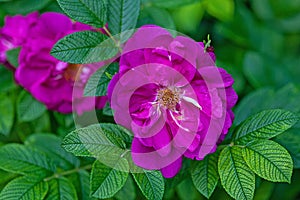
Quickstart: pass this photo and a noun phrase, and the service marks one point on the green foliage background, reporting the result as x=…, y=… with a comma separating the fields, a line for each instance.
x=257, y=41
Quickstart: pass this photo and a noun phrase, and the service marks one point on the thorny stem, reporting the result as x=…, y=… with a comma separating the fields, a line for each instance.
x=57, y=175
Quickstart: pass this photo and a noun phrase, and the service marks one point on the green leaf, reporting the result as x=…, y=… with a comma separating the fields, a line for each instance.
x=158, y=16
x=264, y=191
x=24, y=160
x=183, y=174
x=252, y=104
x=28, y=108
x=287, y=191
x=107, y=110
x=236, y=177
x=205, y=175
x=122, y=17
x=61, y=188
x=86, y=11
x=172, y=3
x=24, y=6
x=65, y=123
x=7, y=82
x=187, y=16
x=25, y=189
x=118, y=131
x=187, y=189
x=84, y=47
x=128, y=191
x=265, y=125
x=51, y=145
x=286, y=98
x=151, y=183
x=6, y=114
x=81, y=181
x=269, y=160
x=93, y=141
x=221, y=9
x=256, y=65
x=106, y=181
x=98, y=82
x=262, y=9
x=12, y=56
x=291, y=140
x=5, y=177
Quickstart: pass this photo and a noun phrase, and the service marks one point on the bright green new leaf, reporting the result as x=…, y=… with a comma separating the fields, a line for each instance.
x=269, y=160
x=84, y=47
x=151, y=183
x=221, y=9
x=122, y=17
x=172, y=3
x=24, y=188
x=24, y=160
x=106, y=181
x=5, y=177
x=93, y=141
x=205, y=175
x=60, y=189
x=6, y=114
x=98, y=82
x=236, y=177
x=51, y=145
x=265, y=125
x=86, y=11
x=28, y=108
x=187, y=16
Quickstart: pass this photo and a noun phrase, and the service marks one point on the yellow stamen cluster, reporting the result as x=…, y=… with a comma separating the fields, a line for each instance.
x=168, y=98
x=72, y=72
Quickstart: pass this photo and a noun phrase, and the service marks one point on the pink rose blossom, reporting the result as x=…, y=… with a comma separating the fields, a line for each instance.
x=172, y=96
x=49, y=80
x=15, y=32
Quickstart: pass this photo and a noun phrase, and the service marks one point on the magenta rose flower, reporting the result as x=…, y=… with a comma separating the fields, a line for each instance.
x=49, y=80
x=15, y=32
x=172, y=96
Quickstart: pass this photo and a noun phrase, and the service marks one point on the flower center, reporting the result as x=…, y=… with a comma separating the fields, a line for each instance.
x=72, y=72
x=168, y=98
